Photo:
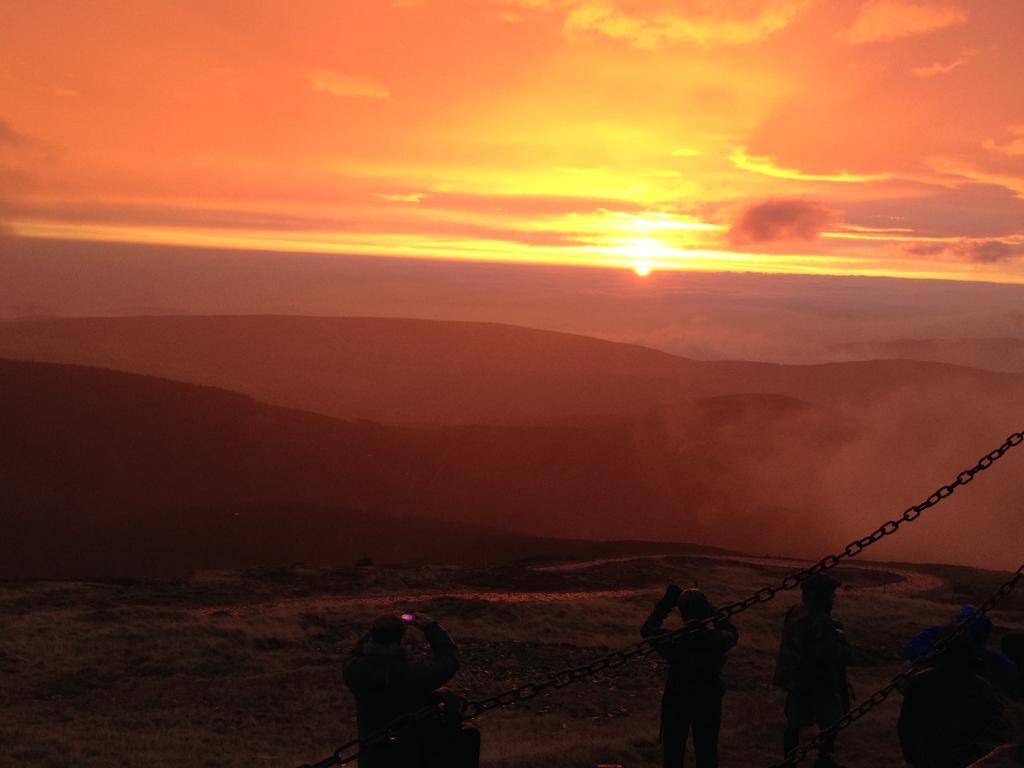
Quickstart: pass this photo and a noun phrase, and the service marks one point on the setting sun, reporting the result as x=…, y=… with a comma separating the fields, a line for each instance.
x=365, y=363
x=734, y=133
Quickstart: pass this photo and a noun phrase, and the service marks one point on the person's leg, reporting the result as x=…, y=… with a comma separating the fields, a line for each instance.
x=790, y=740
x=791, y=734
x=469, y=748
x=827, y=710
x=675, y=726
x=707, y=721
x=828, y=747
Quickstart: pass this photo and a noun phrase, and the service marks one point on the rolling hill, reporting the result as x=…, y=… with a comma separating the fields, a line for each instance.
x=536, y=433
x=441, y=373
x=107, y=472
x=994, y=354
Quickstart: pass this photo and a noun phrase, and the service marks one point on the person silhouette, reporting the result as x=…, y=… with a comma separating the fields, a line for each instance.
x=387, y=683
x=951, y=713
x=692, y=699
x=811, y=666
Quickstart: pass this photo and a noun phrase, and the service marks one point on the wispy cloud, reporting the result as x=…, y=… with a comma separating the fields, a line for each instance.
x=940, y=68
x=765, y=166
x=411, y=197
x=338, y=84
x=880, y=20
x=1014, y=147
x=656, y=24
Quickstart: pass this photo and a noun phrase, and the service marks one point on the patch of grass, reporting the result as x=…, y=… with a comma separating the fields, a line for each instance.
x=245, y=669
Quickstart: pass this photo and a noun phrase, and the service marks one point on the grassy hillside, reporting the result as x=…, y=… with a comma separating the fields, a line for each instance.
x=112, y=472
x=118, y=473
x=243, y=669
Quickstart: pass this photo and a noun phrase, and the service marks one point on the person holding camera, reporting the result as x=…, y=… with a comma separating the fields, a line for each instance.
x=388, y=682
x=692, y=699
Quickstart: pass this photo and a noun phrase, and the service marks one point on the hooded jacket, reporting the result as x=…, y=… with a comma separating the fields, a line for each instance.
x=695, y=660
x=387, y=683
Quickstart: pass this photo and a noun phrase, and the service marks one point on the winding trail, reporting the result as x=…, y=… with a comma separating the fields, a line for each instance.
x=906, y=582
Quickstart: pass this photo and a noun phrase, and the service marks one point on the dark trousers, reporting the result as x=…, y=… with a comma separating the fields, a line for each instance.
x=791, y=739
x=461, y=749
x=703, y=715
x=809, y=708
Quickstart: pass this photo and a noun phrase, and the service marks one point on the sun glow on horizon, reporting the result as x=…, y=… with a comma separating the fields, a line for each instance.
x=652, y=136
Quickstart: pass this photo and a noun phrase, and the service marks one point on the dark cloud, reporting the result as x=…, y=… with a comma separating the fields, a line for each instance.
x=9, y=136
x=977, y=251
x=774, y=220
x=925, y=249
x=987, y=251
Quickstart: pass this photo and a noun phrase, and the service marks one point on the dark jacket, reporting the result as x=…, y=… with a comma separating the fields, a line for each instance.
x=813, y=655
x=695, y=660
x=949, y=718
x=387, y=683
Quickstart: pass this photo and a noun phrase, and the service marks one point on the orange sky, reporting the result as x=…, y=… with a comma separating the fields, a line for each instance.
x=869, y=136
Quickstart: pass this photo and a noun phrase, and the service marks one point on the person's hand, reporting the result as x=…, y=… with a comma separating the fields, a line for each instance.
x=422, y=621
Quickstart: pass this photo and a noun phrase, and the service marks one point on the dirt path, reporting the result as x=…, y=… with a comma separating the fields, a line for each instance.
x=905, y=582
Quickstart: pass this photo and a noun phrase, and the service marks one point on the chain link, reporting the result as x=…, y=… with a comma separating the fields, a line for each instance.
x=801, y=752
x=562, y=678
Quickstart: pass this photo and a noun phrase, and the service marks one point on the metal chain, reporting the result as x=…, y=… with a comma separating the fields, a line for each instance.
x=564, y=677
x=800, y=752
x=350, y=750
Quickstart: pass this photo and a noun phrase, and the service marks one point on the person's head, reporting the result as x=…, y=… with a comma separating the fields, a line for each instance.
x=819, y=592
x=694, y=605
x=387, y=630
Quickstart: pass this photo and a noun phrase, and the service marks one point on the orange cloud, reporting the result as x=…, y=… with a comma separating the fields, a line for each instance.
x=1013, y=147
x=399, y=197
x=559, y=138
x=764, y=165
x=938, y=68
x=881, y=20
x=337, y=84
x=656, y=24
x=781, y=220
x=9, y=136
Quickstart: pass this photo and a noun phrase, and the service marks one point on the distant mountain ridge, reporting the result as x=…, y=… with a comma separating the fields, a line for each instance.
x=128, y=473
x=445, y=372
x=1004, y=354
x=535, y=433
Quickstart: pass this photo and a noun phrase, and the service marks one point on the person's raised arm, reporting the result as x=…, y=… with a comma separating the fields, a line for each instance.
x=444, y=663
x=727, y=632
x=652, y=627
x=354, y=670
x=662, y=609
